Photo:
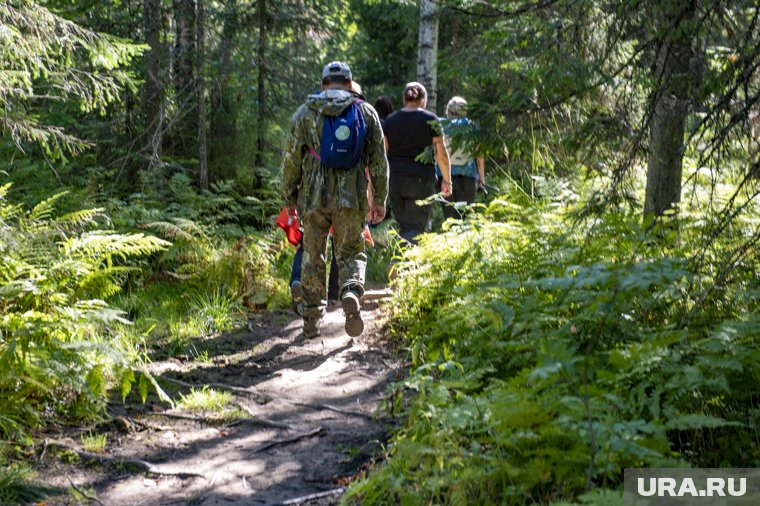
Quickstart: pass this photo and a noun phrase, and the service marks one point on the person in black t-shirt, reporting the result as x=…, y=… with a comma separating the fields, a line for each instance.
x=408, y=133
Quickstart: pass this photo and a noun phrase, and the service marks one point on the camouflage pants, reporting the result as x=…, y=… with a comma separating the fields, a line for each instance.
x=348, y=236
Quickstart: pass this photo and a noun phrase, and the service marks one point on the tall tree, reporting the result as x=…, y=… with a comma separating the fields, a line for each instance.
x=261, y=91
x=453, y=81
x=79, y=66
x=223, y=112
x=261, y=80
x=153, y=93
x=427, y=50
x=201, y=35
x=665, y=160
x=184, y=78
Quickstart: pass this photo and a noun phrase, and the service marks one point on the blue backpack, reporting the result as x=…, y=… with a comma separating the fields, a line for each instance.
x=343, y=138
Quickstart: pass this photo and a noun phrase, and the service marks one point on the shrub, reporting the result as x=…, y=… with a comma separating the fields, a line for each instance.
x=58, y=351
x=550, y=354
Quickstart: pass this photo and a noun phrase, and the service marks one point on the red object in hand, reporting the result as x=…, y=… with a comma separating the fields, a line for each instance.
x=291, y=226
x=368, y=236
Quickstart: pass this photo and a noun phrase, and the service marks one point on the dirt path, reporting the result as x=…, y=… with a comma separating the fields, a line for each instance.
x=311, y=423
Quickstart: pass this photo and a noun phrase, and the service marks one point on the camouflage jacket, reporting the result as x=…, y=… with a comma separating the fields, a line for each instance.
x=309, y=184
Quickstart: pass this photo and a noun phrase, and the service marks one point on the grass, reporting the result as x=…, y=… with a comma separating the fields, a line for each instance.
x=206, y=400
x=213, y=404
x=214, y=310
x=16, y=487
x=95, y=443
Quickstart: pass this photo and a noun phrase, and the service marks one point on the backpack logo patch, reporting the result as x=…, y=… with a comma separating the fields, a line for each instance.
x=342, y=133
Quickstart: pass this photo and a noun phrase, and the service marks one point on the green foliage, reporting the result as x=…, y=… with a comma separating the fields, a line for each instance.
x=95, y=443
x=57, y=351
x=46, y=58
x=205, y=399
x=215, y=309
x=549, y=354
x=15, y=487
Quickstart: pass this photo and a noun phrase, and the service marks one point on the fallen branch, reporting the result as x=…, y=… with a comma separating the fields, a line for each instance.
x=257, y=420
x=83, y=493
x=299, y=437
x=306, y=498
x=116, y=462
x=220, y=386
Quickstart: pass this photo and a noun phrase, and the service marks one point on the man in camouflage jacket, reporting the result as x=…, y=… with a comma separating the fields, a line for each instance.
x=323, y=197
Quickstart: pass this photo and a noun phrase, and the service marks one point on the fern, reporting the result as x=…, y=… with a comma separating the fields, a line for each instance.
x=549, y=357
x=55, y=341
x=44, y=210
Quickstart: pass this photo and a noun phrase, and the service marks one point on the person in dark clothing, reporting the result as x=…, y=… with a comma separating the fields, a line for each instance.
x=384, y=107
x=409, y=133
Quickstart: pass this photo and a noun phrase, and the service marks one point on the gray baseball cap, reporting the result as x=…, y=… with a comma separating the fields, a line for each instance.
x=336, y=69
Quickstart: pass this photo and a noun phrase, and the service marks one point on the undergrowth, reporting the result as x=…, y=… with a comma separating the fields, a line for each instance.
x=59, y=353
x=549, y=353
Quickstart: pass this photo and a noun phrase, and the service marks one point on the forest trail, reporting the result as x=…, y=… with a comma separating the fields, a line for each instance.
x=311, y=422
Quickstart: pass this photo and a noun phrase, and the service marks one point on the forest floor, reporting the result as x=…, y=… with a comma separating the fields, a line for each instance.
x=307, y=419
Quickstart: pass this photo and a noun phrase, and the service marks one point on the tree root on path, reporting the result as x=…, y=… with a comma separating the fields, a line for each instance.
x=257, y=420
x=330, y=407
x=304, y=499
x=192, y=418
x=150, y=426
x=118, y=462
x=316, y=432
x=220, y=386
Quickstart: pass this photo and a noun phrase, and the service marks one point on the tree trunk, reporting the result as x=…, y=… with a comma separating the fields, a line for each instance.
x=427, y=49
x=261, y=96
x=202, y=159
x=183, y=77
x=153, y=92
x=454, y=53
x=223, y=114
x=665, y=164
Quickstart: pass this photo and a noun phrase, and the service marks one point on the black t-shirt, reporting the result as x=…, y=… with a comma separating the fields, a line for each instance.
x=409, y=133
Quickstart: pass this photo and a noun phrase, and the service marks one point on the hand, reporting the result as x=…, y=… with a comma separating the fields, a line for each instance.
x=376, y=213
x=446, y=188
x=292, y=213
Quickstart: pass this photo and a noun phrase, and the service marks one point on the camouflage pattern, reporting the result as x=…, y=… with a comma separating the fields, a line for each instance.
x=328, y=197
x=308, y=184
x=348, y=232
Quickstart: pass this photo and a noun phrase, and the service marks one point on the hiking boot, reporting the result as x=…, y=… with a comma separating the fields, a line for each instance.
x=296, y=294
x=351, y=308
x=311, y=327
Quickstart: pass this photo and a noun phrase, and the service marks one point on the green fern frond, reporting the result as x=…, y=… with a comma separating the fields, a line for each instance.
x=4, y=189
x=44, y=210
x=105, y=282
x=81, y=218
x=170, y=231
x=103, y=244
x=190, y=227
x=9, y=211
